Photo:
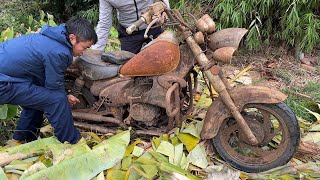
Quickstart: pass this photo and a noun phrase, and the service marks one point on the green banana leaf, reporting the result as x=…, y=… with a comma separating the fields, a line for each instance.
x=2, y=175
x=34, y=146
x=86, y=166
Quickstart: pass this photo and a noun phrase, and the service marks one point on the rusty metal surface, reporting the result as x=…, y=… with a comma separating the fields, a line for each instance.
x=235, y=143
x=159, y=58
x=217, y=112
x=223, y=54
x=167, y=81
x=167, y=36
x=199, y=38
x=173, y=108
x=149, y=132
x=104, y=130
x=229, y=37
x=146, y=113
x=192, y=90
x=94, y=128
x=97, y=118
x=117, y=94
x=98, y=86
x=215, y=70
x=131, y=90
x=186, y=64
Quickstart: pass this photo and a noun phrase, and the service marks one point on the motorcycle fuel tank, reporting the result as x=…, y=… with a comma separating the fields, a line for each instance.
x=160, y=56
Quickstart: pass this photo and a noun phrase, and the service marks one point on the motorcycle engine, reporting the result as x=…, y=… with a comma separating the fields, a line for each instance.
x=146, y=113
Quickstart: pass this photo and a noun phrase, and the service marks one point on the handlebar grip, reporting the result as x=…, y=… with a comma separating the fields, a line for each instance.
x=135, y=26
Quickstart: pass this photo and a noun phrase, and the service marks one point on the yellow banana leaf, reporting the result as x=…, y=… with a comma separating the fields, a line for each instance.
x=155, y=142
x=188, y=140
x=114, y=174
x=241, y=73
x=131, y=147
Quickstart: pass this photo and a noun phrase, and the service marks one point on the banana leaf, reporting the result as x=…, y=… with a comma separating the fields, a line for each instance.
x=131, y=147
x=166, y=148
x=61, y=152
x=86, y=166
x=2, y=175
x=126, y=162
x=170, y=168
x=178, y=152
x=198, y=157
x=33, y=169
x=188, y=140
x=137, y=151
x=99, y=177
x=114, y=174
x=34, y=146
x=18, y=165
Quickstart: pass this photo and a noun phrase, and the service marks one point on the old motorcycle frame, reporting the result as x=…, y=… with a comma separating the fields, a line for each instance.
x=169, y=80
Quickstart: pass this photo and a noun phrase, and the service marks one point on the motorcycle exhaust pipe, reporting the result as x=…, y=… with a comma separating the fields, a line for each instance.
x=97, y=118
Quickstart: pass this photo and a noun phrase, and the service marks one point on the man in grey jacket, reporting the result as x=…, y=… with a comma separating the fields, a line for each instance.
x=128, y=11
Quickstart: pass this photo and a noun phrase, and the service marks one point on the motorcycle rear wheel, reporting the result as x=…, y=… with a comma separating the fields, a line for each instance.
x=276, y=129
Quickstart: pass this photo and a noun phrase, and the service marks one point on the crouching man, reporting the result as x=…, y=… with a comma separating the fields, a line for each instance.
x=32, y=75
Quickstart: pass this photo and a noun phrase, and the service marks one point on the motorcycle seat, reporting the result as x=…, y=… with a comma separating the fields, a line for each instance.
x=92, y=67
x=117, y=57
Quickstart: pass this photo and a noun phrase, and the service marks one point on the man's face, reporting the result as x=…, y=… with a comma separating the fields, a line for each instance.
x=79, y=47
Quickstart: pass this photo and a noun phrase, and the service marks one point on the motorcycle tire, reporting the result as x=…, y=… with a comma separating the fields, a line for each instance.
x=267, y=154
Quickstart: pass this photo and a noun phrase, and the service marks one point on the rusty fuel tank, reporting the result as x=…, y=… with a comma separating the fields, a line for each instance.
x=159, y=57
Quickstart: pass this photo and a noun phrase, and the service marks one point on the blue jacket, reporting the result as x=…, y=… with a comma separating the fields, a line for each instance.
x=41, y=58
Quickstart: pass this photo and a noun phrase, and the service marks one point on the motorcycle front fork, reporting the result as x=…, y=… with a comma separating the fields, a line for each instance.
x=221, y=87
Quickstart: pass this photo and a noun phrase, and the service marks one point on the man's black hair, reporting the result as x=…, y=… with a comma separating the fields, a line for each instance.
x=82, y=28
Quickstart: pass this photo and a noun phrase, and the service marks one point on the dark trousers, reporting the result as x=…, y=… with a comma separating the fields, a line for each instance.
x=134, y=42
x=36, y=101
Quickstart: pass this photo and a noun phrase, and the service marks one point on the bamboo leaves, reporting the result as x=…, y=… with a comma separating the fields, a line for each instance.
x=294, y=22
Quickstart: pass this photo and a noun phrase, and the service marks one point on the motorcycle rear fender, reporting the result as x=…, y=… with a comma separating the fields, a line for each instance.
x=241, y=96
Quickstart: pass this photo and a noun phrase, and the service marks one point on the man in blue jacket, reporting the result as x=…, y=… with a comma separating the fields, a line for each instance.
x=32, y=75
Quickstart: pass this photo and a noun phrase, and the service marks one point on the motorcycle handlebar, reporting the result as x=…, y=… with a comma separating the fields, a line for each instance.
x=135, y=26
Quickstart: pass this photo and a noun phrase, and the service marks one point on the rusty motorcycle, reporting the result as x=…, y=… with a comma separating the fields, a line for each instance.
x=250, y=127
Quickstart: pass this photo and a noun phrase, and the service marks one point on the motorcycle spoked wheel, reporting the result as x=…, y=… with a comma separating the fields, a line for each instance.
x=276, y=129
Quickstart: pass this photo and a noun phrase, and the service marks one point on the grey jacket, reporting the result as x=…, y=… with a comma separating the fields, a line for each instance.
x=128, y=11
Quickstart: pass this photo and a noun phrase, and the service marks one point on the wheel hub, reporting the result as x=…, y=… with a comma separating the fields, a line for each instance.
x=256, y=128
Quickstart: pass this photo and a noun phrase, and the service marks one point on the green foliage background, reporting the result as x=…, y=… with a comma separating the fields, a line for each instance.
x=294, y=23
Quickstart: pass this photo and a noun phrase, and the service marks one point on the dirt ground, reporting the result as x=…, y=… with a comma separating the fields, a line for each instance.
x=276, y=69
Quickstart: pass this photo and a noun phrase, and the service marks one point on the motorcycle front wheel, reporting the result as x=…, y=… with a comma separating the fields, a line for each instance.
x=278, y=133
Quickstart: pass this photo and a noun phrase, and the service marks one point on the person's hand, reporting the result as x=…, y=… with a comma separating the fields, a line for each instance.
x=73, y=100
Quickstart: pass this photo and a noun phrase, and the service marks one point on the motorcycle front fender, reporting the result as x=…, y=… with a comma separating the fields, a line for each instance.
x=241, y=96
